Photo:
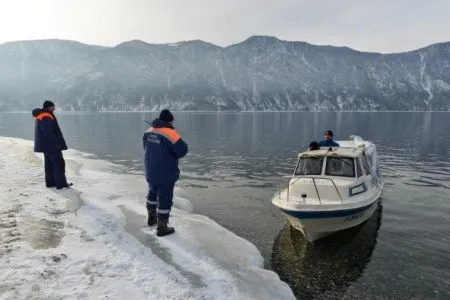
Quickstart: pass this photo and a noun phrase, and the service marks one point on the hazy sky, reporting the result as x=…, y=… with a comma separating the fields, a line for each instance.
x=370, y=25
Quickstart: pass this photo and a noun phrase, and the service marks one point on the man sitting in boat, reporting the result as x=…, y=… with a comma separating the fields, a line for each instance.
x=314, y=146
x=328, y=140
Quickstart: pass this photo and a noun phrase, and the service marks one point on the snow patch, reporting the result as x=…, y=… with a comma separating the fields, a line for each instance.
x=442, y=85
x=95, y=76
x=427, y=84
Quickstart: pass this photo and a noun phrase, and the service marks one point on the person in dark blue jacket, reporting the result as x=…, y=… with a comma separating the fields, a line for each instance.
x=48, y=139
x=328, y=140
x=163, y=147
x=314, y=146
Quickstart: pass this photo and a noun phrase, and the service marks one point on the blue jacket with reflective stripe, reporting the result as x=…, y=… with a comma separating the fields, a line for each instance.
x=163, y=148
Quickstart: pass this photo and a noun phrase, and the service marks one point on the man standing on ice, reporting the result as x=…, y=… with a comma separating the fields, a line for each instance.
x=48, y=139
x=163, y=148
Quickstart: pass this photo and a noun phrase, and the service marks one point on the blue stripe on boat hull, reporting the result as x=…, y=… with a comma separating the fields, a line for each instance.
x=326, y=214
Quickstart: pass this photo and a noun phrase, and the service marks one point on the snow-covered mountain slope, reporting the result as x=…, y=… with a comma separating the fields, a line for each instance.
x=261, y=73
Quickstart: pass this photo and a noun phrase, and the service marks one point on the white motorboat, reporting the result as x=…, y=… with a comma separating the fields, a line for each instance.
x=332, y=189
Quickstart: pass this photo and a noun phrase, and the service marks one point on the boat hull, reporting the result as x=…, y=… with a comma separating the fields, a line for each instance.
x=318, y=225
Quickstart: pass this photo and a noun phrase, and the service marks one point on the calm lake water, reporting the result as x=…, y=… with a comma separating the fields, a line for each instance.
x=234, y=167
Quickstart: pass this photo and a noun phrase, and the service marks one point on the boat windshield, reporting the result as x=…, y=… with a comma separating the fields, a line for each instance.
x=340, y=166
x=311, y=165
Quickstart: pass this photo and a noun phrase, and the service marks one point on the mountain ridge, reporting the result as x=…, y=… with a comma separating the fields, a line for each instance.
x=259, y=73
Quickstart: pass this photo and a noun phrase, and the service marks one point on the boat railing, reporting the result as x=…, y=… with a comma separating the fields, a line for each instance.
x=297, y=178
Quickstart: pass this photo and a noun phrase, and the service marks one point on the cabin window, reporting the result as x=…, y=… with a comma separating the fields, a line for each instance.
x=311, y=165
x=365, y=165
x=359, y=172
x=340, y=166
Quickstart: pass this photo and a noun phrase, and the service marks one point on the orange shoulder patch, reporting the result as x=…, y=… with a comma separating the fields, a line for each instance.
x=169, y=133
x=43, y=115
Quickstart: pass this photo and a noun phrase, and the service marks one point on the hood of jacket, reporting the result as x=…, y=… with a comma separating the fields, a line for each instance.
x=37, y=111
x=157, y=123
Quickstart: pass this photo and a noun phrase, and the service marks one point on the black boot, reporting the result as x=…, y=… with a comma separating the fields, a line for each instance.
x=152, y=220
x=67, y=185
x=163, y=229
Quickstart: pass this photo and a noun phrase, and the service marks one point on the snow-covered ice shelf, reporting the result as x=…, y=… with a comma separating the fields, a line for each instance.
x=91, y=242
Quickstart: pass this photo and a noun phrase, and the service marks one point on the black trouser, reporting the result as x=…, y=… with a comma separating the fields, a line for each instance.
x=159, y=198
x=55, y=169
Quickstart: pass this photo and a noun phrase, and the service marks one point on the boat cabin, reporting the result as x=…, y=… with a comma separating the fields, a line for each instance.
x=340, y=162
x=333, y=174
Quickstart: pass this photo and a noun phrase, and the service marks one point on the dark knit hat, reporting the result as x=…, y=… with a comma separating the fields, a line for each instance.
x=48, y=104
x=166, y=116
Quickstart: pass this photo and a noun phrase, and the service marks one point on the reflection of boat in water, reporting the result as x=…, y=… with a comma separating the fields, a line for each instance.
x=325, y=269
x=332, y=189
